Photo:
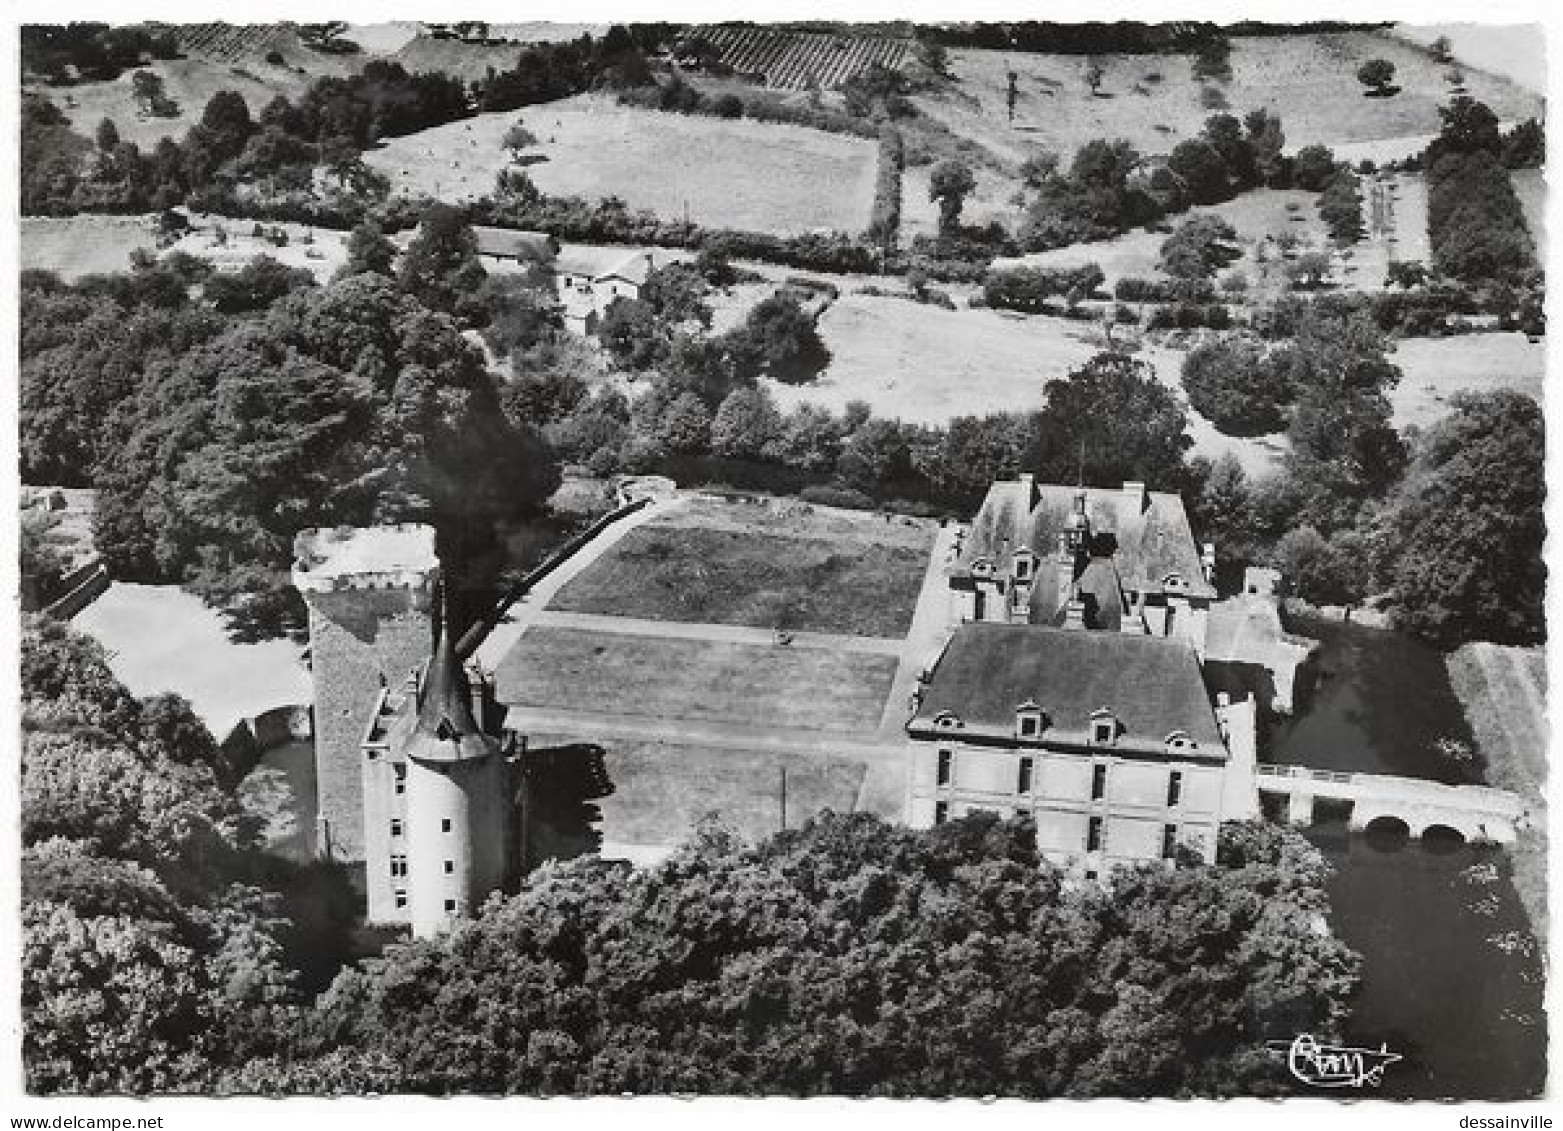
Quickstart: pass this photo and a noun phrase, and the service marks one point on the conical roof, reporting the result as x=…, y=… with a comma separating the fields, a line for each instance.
x=446, y=730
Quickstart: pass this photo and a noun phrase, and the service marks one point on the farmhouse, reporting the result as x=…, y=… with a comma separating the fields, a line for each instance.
x=1108, y=739
x=588, y=282
x=1115, y=560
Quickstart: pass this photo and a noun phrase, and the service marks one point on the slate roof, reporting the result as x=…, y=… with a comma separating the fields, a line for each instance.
x=1151, y=683
x=1151, y=530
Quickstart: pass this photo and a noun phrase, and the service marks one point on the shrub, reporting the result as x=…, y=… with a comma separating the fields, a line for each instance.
x=848, y=498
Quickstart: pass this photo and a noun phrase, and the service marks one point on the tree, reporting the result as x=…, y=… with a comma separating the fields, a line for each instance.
x=811, y=440
x=876, y=453
x=1464, y=532
x=147, y=87
x=739, y=970
x=630, y=332
x=1441, y=50
x=1142, y=438
x=1233, y=384
x=518, y=138
x=1203, y=172
x=780, y=340
x=107, y=136
x=950, y=183
x=1467, y=126
x=440, y=267
x=369, y=251
x=746, y=426
x=1525, y=146
x=258, y=284
x=1378, y=75
x=1266, y=141
x=226, y=124
x=1315, y=569
x=1313, y=167
x=1199, y=248
x=1094, y=73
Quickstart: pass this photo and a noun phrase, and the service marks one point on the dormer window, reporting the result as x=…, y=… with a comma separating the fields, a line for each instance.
x=982, y=567
x=1028, y=720
x=1178, y=742
x=1023, y=566
x=947, y=720
x=1104, y=727
x=1174, y=581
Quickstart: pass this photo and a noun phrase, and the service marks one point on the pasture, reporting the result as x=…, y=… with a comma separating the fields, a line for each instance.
x=1155, y=101
x=742, y=174
x=1436, y=368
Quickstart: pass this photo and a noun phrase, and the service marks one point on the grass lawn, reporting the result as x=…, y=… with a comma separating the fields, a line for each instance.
x=1503, y=691
x=661, y=789
x=1436, y=368
x=160, y=638
x=759, y=580
x=734, y=174
x=578, y=670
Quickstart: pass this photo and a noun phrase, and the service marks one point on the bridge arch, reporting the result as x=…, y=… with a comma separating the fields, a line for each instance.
x=1386, y=825
x=1442, y=833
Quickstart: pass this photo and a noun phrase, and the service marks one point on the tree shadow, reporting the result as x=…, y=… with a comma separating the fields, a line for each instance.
x=560, y=784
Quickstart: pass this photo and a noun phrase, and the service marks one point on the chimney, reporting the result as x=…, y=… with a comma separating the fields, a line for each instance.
x=1207, y=561
x=1133, y=497
x=1074, y=613
x=1028, y=488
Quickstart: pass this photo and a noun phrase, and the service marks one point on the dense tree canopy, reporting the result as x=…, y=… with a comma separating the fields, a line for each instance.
x=1112, y=419
x=1465, y=530
x=348, y=404
x=856, y=957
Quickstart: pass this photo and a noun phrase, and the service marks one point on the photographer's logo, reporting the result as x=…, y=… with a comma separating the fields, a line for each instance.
x=1334, y=1066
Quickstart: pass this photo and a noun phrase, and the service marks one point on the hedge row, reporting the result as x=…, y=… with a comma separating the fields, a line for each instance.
x=1132, y=289
x=884, y=224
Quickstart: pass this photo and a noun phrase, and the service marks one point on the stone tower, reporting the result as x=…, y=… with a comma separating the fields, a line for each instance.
x=438, y=797
x=370, y=593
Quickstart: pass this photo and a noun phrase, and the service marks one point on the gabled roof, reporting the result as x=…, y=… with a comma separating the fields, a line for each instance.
x=599, y=264
x=1151, y=684
x=506, y=243
x=1150, y=528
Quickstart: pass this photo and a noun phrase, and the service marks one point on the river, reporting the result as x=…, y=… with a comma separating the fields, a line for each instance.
x=1452, y=978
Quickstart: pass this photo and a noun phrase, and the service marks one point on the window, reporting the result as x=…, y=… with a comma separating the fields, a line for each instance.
x=1093, y=835
x=398, y=866
x=1022, y=569
x=1028, y=726
x=941, y=812
x=946, y=757
x=1102, y=731
x=450, y=905
x=1169, y=841
x=1174, y=787
x=1023, y=782
x=1098, y=782
x=1090, y=873
x=401, y=777
x=450, y=866
x=396, y=826
x=445, y=825
x=401, y=898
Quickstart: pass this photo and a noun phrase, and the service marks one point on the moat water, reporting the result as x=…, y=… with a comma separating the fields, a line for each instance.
x=1452, y=979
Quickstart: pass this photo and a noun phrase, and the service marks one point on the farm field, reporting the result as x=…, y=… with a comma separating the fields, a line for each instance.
x=605, y=673
x=662, y=789
x=759, y=580
x=1309, y=80
x=1437, y=368
x=736, y=174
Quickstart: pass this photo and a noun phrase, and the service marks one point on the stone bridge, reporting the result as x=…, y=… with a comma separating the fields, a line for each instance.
x=1476, y=812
